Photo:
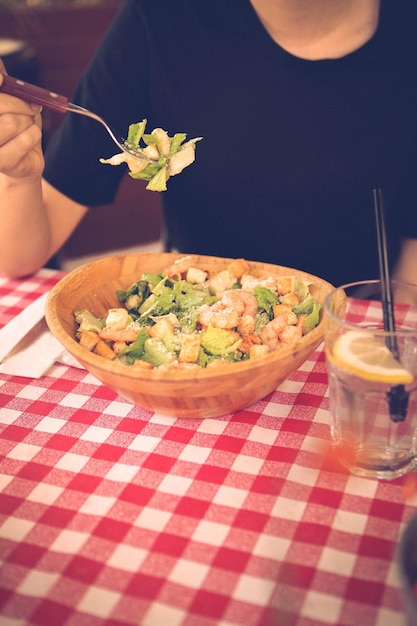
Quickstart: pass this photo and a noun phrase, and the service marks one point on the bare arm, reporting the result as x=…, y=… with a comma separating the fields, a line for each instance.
x=35, y=219
x=406, y=269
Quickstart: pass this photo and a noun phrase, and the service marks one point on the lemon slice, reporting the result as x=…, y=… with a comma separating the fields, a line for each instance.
x=368, y=358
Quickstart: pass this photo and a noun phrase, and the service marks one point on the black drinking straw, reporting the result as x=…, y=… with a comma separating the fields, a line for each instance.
x=397, y=396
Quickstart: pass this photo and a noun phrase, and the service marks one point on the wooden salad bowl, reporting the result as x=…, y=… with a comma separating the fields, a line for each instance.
x=198, y=393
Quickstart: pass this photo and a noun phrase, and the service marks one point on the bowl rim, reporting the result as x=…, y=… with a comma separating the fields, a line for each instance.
x=115, y=367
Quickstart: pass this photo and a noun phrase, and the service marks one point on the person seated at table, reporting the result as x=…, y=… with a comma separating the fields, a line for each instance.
x=304, y=108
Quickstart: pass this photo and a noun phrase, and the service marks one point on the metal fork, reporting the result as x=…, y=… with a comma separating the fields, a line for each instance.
x=56, y=102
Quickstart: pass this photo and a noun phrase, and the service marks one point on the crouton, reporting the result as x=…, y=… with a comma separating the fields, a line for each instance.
x=238, y=267
x=142, y=365
x=117, y=318
x=160, y=328
x=301, y=324
x=119, y=346
x=102, y=349
x=196, y=276
x=190, y=349
x=257, y=351
x=285, y=284
x=290, y=298
x=247, y=342
x=88, y=339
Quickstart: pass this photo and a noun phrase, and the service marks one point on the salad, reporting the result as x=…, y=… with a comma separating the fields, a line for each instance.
x=168, y=156
x=185, y=317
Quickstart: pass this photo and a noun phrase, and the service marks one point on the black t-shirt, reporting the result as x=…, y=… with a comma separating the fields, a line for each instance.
x=292, y=148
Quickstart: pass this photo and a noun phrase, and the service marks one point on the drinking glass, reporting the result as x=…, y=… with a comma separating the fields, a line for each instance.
x=373, y=396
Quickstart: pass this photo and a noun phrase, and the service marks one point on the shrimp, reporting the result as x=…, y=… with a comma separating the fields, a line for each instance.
x=291, y=335
x=278, y=332
x=246, y=325
x=218, y=316
x=285, y=309
x=180, y=266
x=119, y=334
x=243, y=302
x=271, y=331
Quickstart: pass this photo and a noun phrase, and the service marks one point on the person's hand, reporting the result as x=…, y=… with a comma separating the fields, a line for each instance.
x=20, y=137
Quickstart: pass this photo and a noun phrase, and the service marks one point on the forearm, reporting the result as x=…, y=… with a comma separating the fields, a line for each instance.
x=406, y=268
x=35, y=218
x=25, y=240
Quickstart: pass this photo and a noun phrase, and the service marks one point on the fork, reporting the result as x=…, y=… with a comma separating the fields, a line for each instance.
x=56, y=102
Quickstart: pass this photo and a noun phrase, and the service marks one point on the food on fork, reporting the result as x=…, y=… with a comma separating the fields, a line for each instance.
x=186, y=318
x=168, y=156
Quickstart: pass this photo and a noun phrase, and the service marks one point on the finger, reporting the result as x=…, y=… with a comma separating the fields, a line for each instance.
x=31, y=165
x=12, y=125
x=22, y=154
x=11, y=104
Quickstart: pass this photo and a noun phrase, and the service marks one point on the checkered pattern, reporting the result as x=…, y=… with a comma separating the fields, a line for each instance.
x=114, y=516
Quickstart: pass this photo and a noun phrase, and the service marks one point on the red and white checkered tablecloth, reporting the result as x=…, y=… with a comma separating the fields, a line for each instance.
x=111, y=515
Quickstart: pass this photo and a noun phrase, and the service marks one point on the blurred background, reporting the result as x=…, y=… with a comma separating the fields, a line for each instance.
x=48, y=43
